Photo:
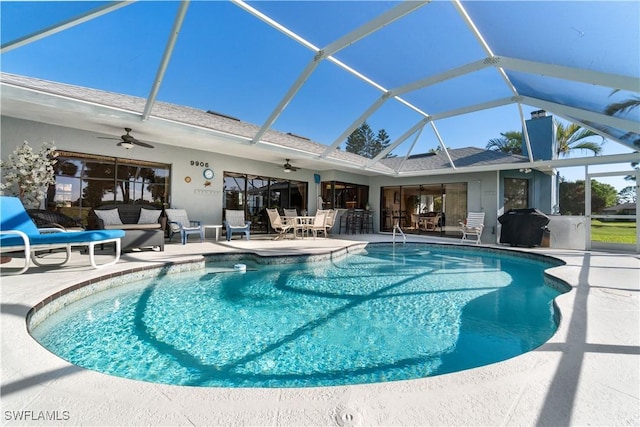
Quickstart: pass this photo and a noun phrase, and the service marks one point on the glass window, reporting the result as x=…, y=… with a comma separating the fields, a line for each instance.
x=84, y=181
x=344, y=195
x=68, y=167
x=99, y=170
x=516, y=193
x=234, y=191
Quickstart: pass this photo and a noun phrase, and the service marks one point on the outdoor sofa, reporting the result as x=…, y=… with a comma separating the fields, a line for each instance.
x=144, y=225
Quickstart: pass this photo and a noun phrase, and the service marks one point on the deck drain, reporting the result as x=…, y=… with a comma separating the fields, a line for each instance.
x=346, y=417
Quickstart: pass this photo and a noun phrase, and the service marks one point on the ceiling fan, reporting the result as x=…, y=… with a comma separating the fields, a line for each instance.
x=288, y=168
x=127, y=141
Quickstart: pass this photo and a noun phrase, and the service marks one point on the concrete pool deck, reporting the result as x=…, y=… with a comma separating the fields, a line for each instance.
x=587, y=374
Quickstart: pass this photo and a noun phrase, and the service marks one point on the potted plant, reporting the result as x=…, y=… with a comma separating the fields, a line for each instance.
x=28, y=174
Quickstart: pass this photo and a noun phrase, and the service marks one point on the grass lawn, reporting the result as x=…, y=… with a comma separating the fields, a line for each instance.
x=613, y=232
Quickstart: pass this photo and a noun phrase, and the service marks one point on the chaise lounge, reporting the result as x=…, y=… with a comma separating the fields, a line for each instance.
x=18, y=233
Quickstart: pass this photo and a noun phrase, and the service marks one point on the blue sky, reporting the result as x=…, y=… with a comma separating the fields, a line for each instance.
x=229, y=61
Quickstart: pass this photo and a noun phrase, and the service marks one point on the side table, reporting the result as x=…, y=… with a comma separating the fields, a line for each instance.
x=216, y=227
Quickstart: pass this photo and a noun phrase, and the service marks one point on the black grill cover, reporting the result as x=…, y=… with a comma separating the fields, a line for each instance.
x=523, y=227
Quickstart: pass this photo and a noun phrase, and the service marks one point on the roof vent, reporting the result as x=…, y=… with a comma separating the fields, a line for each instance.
x=222, y=115
x=298, y=136
x=537, y=114
x=421, y=155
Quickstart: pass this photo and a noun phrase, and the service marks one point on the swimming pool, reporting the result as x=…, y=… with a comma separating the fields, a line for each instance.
x=387, y=313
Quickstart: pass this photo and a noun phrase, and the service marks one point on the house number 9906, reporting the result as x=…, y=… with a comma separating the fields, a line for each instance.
x=198, y=163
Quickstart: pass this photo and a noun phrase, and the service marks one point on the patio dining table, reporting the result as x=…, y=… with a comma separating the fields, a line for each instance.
x=300, y=223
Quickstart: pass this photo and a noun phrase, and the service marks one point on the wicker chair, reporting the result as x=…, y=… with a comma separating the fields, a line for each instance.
x=51, y=219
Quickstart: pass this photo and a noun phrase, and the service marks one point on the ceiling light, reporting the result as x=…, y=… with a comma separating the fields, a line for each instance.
x=127, y=145
x=287, y=169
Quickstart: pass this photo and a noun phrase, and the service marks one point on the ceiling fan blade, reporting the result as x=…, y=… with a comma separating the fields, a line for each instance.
x=127, y=141
x=288, y=168
x=141, y=144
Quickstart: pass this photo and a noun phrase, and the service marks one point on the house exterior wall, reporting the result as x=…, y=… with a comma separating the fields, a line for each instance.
x=205, y=203
x=482, y=193
x=202, y=203
x=542, y=190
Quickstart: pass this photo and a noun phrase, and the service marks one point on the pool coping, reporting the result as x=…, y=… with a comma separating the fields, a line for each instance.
x=536, y=388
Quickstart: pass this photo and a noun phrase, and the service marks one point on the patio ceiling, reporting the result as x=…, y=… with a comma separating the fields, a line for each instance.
x=420, y=70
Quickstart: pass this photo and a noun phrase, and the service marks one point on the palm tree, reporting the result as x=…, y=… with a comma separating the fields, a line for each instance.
x=568, y=138
x=572, y=137
x=623, y=106
x=510, y=142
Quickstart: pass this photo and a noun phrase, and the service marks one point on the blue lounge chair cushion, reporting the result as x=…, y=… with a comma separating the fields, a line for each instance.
x=15, y=217
x=61, y=237
x=18, y=232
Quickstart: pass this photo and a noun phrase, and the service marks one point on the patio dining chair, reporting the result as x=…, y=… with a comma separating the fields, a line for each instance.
x=330, y=220
x=319, y=224
x=290, y=212
x=179, y=222
x=430, y=223
x=278, y=225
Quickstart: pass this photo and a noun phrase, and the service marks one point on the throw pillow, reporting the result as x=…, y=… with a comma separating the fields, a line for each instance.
x=149, y=216
x=109, y=216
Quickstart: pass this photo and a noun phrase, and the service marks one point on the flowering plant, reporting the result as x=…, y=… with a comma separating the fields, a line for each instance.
x=27, y=174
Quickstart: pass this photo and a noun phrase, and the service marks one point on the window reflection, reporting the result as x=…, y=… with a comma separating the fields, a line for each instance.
x=84, y=181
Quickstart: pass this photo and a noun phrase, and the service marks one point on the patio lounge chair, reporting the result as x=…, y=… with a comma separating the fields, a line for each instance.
x=278, y=225
x=179, y=222
x=18, y=233
x=473, y=226
x=235, y=223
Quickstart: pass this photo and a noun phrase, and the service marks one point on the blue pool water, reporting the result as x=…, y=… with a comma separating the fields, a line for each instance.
x=388, y=313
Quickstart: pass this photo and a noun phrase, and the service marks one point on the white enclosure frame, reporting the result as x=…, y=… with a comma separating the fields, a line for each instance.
x=587, y=205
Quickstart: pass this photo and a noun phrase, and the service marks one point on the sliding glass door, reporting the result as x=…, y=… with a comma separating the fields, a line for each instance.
x=424, y=209
x=254, y=194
